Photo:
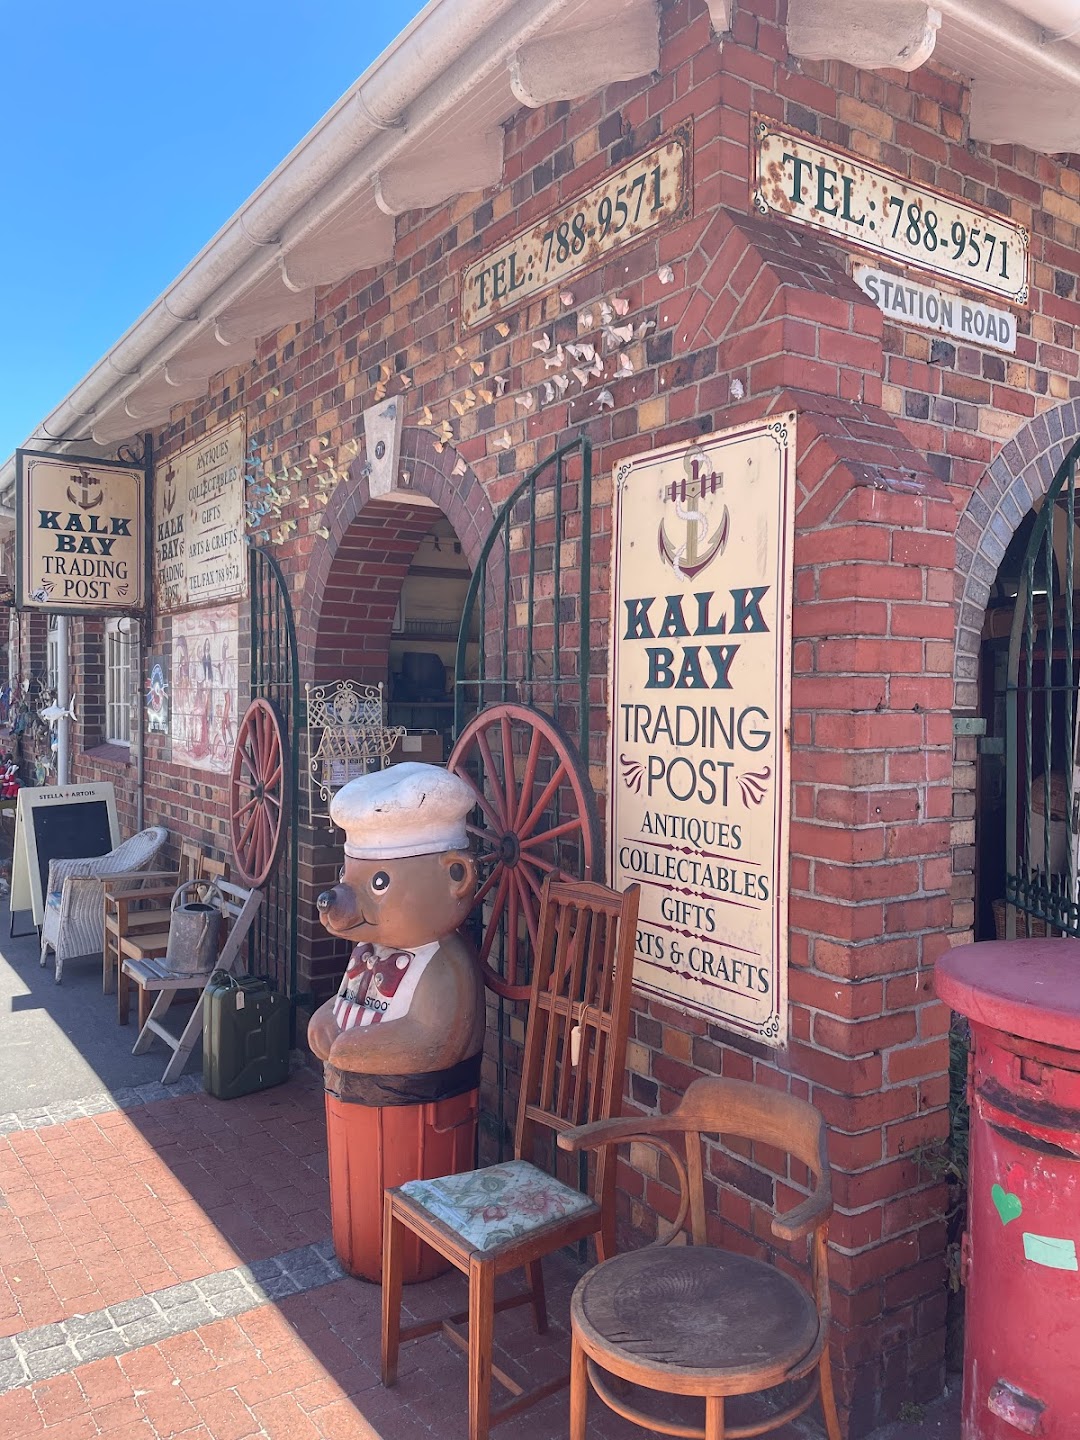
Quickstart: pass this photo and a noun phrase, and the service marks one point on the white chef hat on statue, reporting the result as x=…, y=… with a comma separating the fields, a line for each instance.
x=409, y=809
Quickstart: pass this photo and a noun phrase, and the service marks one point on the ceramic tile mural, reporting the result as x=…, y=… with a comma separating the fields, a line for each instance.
x=204, y=687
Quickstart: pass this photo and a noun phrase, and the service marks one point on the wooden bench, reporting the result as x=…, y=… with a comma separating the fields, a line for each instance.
x=144, y=964
x=139, y=912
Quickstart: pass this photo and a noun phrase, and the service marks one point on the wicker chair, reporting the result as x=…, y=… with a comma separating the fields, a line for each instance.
x=74, y=906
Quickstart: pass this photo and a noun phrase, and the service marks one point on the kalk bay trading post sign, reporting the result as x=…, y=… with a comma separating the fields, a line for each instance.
x=701, y=661
x=200, y=553
x=81, y=535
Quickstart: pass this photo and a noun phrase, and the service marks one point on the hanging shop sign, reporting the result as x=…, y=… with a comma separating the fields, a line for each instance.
x=797, y=177
x=701, y=664
x=199, y=548
x=622, y=207
x=971, y=321
x=81, y=530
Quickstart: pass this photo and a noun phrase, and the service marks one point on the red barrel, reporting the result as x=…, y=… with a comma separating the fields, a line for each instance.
x=1022, y=1246
x=375, y=1145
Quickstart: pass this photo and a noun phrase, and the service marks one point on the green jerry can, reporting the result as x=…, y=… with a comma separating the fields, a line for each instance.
x=245, y=1036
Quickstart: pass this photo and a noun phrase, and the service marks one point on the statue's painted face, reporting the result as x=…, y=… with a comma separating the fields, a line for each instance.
x=405, y=902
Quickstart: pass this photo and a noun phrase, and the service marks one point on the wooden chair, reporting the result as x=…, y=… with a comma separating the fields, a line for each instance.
x=139, y=902
x=506, y=1217
x=694, y=1319
x=149, y=973
x=133, y=933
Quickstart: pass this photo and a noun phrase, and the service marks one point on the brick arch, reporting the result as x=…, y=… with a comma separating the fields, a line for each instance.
x=353, y=584
x=350, y=594
x=1022, y=473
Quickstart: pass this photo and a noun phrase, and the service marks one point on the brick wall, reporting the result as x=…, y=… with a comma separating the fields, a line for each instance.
x=897, y=435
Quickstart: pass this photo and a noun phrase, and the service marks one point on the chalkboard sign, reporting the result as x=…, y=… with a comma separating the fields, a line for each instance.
x=58, y=822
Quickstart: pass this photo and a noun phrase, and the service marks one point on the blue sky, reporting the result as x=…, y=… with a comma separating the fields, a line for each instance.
x=132, y=131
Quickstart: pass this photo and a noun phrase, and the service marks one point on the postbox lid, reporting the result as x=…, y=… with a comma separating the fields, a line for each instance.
x=1029, y=988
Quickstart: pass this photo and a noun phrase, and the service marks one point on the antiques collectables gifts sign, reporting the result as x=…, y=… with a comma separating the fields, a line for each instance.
x=701, y=664
x=200, y=551
x=81, y=530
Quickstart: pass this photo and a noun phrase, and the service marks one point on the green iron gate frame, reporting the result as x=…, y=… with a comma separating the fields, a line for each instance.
x=501, y=685
x=494, y=596
x=1042, y=756
x=275, y=676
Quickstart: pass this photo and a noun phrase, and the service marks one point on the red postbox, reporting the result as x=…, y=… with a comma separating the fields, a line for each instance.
x=1021, y=1248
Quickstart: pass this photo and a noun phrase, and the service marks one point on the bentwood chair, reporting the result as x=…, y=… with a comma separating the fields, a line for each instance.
x=695, y=1320
x=507, y=1216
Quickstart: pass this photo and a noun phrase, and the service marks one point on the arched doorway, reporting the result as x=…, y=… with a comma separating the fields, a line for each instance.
x=1042, y=718
x=1012, y=536
x=423, y=642
x=370, y=602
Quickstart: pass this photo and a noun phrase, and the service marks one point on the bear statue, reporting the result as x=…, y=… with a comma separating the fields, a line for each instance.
x=406, y=1027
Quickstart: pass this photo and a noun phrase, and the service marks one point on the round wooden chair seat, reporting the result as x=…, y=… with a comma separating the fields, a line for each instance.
x=694, y=1312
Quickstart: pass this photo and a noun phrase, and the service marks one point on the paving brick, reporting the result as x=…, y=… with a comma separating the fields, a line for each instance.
x=128, y=1311
x=44, y=1363
x=12, y=1373
x=100, y=1345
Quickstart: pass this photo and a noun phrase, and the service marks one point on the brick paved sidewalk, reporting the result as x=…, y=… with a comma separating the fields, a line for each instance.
x=166, y=1271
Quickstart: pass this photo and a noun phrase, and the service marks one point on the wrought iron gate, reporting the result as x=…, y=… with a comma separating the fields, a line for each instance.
x=1042, y=740
x=528, y=619
x=275, y=676
x=505, y=597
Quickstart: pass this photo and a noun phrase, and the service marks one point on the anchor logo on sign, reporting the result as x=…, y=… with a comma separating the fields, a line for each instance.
x=90, y=493
x=695, y=502
x=168, y=498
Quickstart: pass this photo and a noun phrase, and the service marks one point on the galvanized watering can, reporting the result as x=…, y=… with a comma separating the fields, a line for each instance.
x=194, y=926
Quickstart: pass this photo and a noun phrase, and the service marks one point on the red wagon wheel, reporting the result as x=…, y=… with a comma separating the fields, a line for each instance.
x=257, y=793
x=536, y=813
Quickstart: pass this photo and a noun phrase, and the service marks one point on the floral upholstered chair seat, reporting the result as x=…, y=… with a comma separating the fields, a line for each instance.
x=498, y=1205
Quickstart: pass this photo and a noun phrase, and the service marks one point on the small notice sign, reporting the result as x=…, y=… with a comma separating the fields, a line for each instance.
x=622, y=207
x=57, y=822
x=81, y=529
x=200, y=555
x=801, y=179
x=700, y=674
x=967, y=320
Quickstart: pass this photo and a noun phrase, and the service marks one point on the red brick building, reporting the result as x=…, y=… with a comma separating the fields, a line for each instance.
x=919, y=454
